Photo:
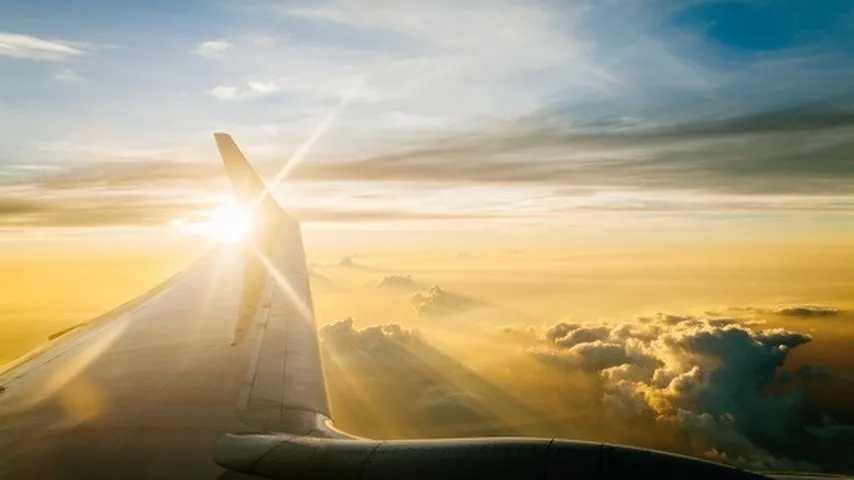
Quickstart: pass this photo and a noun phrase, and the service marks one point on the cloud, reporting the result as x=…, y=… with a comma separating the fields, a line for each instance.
x=840, y=433
x=390, y=361
x=345, y=338
x=140, y=191
x=751, y=154
x=806, y=311
x=253, y=89
x=212, y=48
x=569, y=335
x=68, y=75
x=398, y=384
x=706, y=379
x=94, y=208
x=17, y=206
x=399, y=283
x=263, y=87
x=437, y=301
x=704, y=386
x=223, y=92
x=98, y=211
x=124, y=170
x=814, y=373
x=34, y=48
x=591, y=356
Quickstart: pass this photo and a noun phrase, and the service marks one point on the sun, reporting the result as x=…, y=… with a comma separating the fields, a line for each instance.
x=227, y=223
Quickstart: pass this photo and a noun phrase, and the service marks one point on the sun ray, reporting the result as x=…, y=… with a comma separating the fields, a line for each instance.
x=283, y=283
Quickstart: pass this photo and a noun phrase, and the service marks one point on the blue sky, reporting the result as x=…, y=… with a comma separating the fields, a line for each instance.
x=771, y=25
x=646, y=99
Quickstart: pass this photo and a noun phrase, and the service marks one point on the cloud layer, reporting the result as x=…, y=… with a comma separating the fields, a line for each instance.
x=752, y=154
x=712, y=387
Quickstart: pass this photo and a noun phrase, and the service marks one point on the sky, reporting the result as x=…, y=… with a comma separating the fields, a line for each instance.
x=580, y=118
x=624, y=212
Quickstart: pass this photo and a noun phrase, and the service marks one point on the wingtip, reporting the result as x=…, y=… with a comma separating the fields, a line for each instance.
x=245, y=180
x=222, y=138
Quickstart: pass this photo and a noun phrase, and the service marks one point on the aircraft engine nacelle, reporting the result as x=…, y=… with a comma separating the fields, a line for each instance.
x=282, y=456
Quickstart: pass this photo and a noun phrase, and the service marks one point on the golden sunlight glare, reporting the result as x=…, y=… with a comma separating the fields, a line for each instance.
x=225, y=224
x=228, y=223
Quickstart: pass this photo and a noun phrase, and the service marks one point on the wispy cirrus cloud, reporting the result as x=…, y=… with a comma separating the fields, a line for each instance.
x=751, y=154
x=18, y=45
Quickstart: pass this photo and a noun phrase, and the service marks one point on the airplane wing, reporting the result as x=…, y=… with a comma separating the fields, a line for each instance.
x=229, y=345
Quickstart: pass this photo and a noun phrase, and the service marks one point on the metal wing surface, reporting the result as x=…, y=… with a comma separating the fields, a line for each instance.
x=228, y=345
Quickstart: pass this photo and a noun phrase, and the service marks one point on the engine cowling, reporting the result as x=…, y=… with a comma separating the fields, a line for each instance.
x=293, y=457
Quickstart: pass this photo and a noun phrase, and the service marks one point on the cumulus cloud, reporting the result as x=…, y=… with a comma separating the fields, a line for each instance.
x=346, y=338
x=709, y=387
x=212, y=48
x=399, y=283
x=806, y=310
x=592, y=356
x=437, y=301
x=705, y=377
x=34, y=48
x=569, y=335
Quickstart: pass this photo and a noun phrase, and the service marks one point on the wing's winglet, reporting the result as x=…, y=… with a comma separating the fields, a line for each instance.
x=247, y=183
x=284, y=389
